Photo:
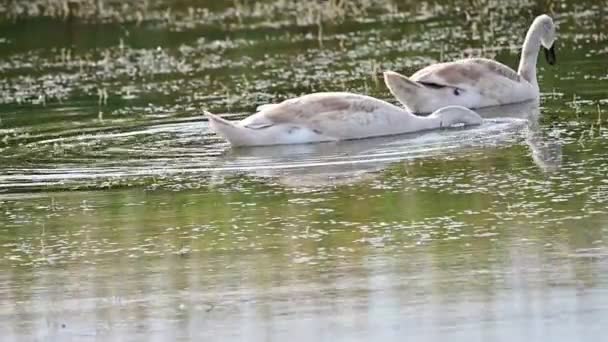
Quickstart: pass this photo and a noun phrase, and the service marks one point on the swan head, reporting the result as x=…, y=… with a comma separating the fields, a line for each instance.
x=545, y=25
x=457, y=115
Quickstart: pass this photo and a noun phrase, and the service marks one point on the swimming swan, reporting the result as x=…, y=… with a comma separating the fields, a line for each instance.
x=320, y=117
x=476, y=82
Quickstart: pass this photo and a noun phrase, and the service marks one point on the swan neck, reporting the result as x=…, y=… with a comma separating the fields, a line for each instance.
x=529, y=53
x=447, y=119
x=438, y=120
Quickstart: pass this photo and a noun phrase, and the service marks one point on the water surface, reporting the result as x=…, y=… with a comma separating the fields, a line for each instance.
x=123, y=218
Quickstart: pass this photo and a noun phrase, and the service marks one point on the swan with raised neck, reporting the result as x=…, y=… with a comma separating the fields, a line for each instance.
x=477, y=82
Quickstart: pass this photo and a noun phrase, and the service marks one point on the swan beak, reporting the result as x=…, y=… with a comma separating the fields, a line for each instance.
x=550, y=54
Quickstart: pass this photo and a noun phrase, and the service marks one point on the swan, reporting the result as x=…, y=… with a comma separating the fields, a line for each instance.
x=332, y=116
x=476, y=82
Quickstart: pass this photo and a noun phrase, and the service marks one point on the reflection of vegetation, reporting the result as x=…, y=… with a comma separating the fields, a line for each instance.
x=435, y=202
x=301, y=12
x=140, y=10
x=456, y=224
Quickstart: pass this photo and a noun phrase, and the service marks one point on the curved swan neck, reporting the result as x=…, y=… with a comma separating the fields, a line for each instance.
x=453, y=115
x=529, y=53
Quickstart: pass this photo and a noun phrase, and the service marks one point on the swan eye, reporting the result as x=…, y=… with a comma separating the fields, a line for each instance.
x=456, y=91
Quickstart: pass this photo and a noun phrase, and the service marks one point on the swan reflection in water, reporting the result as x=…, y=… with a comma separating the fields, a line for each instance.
x=345, y=162
x=546, y=148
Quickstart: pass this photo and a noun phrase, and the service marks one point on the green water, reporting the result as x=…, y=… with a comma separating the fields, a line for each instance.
x=125, y=219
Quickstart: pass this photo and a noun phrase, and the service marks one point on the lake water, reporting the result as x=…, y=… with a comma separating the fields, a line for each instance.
x=122, y=218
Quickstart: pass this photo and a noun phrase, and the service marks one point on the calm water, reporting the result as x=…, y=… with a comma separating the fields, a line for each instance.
x=122, y=218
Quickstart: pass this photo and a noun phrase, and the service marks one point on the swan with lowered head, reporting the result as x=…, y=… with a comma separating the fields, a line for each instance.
x=476, y=82
x=321, y=117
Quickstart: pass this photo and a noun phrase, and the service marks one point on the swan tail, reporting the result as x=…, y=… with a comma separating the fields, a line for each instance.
x=406, y=91
x=217, y=120
x=233, y=133
x=392, y=77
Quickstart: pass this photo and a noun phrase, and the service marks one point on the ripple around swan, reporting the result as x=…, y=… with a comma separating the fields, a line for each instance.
x=99, y=160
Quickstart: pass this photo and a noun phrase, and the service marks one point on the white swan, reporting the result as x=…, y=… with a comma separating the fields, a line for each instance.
x=322, y=117
x=476, y=82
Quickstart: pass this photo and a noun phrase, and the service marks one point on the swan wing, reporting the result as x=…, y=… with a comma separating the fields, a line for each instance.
x=467, y=74
x=265, y=107
x=312, y=110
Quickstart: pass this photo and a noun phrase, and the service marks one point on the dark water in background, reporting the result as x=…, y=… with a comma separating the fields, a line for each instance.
x=125, y=219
